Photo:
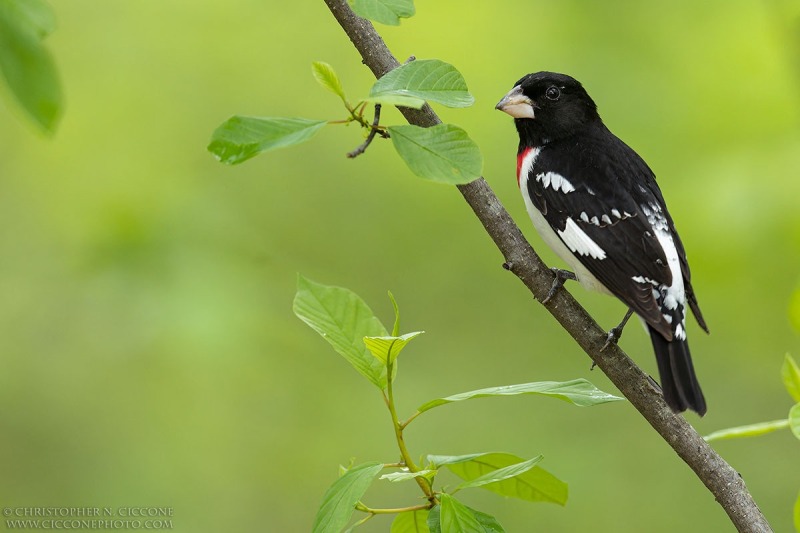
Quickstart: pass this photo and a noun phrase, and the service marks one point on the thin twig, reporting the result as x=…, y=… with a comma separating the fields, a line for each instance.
x=372, y=131
x=718, y=476
x=363, y=508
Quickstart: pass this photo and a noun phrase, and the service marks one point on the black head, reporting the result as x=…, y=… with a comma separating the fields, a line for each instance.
x=547, y=106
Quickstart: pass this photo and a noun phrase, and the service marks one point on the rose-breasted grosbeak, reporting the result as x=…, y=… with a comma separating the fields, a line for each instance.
x=596, y=203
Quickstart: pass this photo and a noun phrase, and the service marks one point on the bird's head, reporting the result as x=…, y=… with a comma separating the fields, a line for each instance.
x=548, y=106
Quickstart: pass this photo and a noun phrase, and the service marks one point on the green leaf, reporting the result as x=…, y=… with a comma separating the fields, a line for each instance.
x=577, y=391
x=384, y=11
x=396, y=99
x=326, y=76
x=343, y=319
x=489, y=523
x=535, y=485
x=794, y=420
x=31, y=16
x=485, y=523
x=396, y=327
x=791, y=377
x=750, y=430
x=340, y=499
x=456, y=517
x=794, y=310
x=434, y=519
x=411, y=522
x=404, y=476
x=26, y=65
x=797, y=513
x=501, y=474
x=429, y=79
x=386, y=347
x=240, y=138
x=442, y=153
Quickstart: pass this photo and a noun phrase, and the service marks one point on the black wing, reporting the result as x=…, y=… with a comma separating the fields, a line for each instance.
x=687, y=275
x=607, y=186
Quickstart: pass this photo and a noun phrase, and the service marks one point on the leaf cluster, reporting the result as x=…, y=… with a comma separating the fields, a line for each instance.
x=442, y=153
x=346, y=322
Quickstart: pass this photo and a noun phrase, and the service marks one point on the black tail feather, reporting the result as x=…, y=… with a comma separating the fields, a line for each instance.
x=678, y=380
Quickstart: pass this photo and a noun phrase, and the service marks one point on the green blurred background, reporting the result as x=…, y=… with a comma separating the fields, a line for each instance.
x=150, y=356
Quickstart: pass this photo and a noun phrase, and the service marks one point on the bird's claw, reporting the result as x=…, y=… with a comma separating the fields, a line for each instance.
x=615, y=333
x=612, y=337
x=561, y=276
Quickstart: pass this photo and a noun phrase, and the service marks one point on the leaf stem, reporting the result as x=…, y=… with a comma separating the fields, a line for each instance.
x=360, y=522
x=423, y=483
x=361, y=507
x=409, y=420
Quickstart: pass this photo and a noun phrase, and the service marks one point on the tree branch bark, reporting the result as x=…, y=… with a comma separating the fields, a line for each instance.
x=716, y=474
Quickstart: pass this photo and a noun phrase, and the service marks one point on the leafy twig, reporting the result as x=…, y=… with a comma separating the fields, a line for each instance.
x=372, y=131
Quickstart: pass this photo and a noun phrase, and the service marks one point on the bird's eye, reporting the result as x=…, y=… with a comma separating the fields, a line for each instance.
x=552, y=93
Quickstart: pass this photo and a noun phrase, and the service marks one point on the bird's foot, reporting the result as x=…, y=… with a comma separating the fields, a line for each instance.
x=561, y=276
x=615, y=333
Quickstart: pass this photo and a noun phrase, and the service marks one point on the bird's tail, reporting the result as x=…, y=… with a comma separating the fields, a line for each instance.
x=678, y=380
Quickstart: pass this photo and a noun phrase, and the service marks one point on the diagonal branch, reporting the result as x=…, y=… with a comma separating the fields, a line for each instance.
x=718, y=476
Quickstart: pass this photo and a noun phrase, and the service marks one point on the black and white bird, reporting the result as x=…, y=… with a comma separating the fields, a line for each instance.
x=596, y=203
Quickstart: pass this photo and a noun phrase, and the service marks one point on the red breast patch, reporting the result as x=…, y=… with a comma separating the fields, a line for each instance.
x=520, y=158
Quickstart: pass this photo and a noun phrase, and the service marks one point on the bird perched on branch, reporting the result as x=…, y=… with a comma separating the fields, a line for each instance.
x=596, y=203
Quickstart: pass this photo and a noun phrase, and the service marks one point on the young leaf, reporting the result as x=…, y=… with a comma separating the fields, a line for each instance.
x=428, y=79
x=411, y=522
x=389, y=347
x=343, y=319
x=340, y=499
x=535, y=485
x=326, y=76
x=240, y=138
x=790, y=373
x=25, y=63
x=444, y=460
x=396, y=327
x=501, y=474
x=794, y=420
x=750, y=430
x=442, y=153
x=577, y=392
x=404, y=476
x=384, y=11
x=456, y=517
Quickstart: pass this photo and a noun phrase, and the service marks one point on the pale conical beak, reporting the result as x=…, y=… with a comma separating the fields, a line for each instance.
x=516, y=104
